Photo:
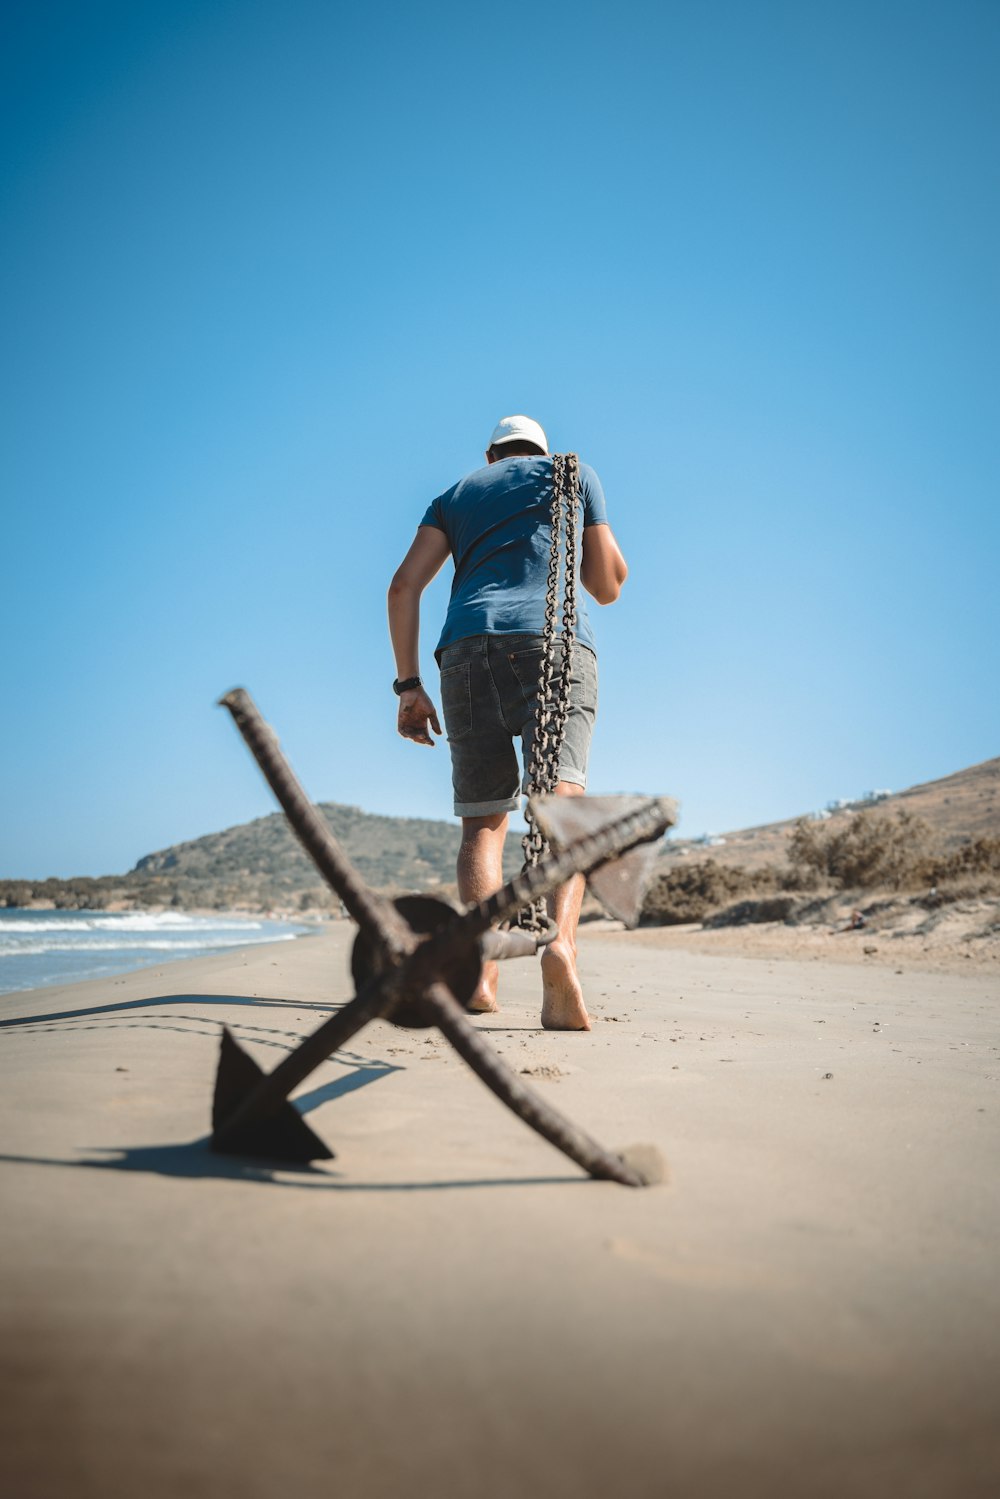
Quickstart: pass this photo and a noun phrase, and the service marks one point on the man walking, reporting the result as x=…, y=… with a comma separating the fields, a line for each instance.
x=495, y=523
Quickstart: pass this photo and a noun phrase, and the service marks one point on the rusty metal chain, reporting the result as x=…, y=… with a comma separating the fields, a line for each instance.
x=553, y=701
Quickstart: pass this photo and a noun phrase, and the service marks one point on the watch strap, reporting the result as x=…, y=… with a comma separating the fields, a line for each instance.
x=399, y=687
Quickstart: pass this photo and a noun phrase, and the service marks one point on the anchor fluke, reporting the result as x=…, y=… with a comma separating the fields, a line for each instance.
x=621, y=883
x=279, y=1136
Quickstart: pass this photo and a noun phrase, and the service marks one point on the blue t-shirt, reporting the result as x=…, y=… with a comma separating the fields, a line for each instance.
x=497, y=524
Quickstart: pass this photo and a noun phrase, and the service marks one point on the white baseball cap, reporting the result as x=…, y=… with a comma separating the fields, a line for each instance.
x=518, y=429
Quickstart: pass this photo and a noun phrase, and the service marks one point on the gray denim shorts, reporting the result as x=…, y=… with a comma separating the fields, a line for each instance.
x=489, y=687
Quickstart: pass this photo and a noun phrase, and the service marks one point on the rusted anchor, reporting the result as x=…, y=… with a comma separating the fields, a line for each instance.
x=416, y=960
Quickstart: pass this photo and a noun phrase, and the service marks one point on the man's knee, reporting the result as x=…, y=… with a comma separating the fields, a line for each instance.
x=569, y=788
x=474, y=828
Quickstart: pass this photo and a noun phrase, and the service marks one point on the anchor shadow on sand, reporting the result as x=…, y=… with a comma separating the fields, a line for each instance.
x=194, y=1159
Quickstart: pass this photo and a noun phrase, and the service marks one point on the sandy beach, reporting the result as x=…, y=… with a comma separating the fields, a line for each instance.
x=810, y=1306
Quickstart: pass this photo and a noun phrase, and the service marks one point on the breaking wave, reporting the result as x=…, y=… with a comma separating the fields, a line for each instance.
x=187, y=947
x=39, y=948
x=125, y=921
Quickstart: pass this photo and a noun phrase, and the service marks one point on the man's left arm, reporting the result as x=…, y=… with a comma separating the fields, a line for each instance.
x=602, y=569
x=602, y=566
x=428, y=554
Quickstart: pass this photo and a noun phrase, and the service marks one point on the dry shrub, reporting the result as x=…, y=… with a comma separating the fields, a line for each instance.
x=869, y=852
x=976, y=866
x=879, y=852
x=689, y=891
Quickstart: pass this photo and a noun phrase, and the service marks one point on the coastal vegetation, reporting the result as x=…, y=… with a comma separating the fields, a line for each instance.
x=866, y=853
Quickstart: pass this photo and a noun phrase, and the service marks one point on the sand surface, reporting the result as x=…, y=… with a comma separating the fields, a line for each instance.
x=808, y=1307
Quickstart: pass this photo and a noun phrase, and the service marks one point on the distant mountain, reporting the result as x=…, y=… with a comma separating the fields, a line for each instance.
x=404, y=851
x=260, y=866
x=958, y=807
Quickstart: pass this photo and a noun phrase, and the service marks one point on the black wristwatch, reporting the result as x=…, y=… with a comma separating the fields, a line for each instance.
x=399, y=687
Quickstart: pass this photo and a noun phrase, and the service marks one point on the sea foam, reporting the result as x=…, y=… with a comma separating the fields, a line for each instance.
x=39, y=948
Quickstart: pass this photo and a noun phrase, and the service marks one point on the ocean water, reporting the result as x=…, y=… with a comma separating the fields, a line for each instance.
x=63, y=947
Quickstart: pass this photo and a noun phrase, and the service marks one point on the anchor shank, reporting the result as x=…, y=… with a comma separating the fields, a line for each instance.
x=525, y=1103
x=373, y=914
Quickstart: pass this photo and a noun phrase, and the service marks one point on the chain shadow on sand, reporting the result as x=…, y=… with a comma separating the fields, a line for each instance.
x=363, y=1070
x=194, y=1160
x=492, y=1024
x=246, y=1000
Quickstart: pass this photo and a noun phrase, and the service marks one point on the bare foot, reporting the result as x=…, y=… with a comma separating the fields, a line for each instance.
x=563, y=1008
x=484, y=1001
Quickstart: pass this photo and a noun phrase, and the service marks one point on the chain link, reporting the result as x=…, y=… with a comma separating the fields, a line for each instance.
x=554, y=684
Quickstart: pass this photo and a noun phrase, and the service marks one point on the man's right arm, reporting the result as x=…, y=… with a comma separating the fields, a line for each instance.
x=430, y=550
x=602, y=568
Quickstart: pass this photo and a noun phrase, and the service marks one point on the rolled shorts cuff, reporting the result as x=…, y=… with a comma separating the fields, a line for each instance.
x=570, y=776
x=488, y=809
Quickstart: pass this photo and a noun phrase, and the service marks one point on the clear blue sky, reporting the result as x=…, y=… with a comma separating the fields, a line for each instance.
x=270, y=271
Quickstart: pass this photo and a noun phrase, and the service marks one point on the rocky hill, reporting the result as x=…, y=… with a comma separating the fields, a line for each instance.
x=958, y=807
x=931, y=846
